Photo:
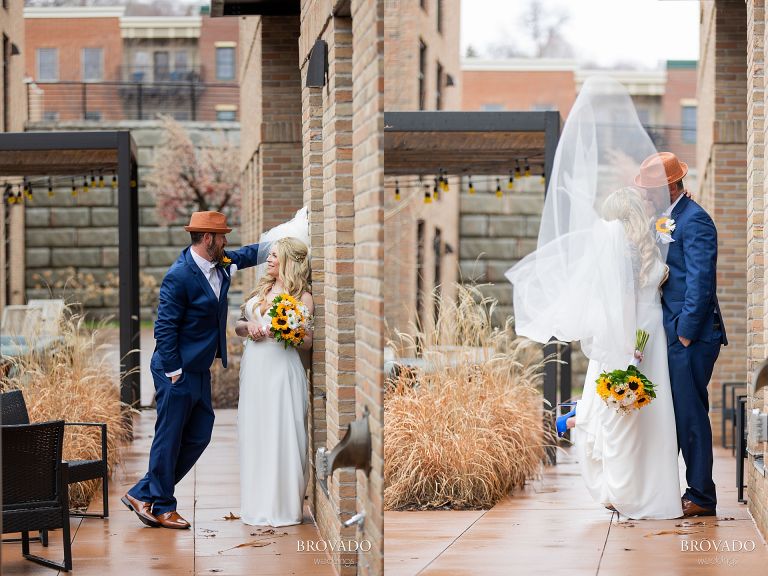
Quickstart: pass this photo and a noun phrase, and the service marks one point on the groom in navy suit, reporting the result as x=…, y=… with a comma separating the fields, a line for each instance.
x=693, y=324
x=190, y=332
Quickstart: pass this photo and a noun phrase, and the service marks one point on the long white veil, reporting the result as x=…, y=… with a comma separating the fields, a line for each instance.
x=296, y=227
x=579, y=283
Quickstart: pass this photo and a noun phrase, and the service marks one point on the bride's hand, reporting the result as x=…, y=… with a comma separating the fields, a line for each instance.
x=256, y=331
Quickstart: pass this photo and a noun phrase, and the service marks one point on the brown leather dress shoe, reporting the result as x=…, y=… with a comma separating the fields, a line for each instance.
x=693, y=509
x=143, y=510
x=172, y=520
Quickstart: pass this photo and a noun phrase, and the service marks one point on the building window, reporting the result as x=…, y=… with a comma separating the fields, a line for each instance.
x=226, y=115
x=180, y=65
x=225, y=63
x=422, y=75
x=439, y=10
x=93, y=64
x=161, y=66
x=47, y=64
x=439, y=91
x=50, y=116
x=6, y=83
x=93, y=115
x=689, y=124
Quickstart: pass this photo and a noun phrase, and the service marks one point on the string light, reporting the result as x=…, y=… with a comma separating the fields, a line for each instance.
x=471, y=186
x=499, y=193
x=28, y=191
x=9, y=194
x=511, y=183
x=435, y=191
x=85, y=184
x=444, y=180
x=50, y=187
x=527, y=168
x=397, y=191
x=517, y=168
x=101, y=180
x=114, y=180
x=74, y=188
x=427, y=195
x=93, y=181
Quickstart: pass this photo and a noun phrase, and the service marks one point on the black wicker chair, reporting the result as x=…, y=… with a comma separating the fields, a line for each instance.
x=35, y=488
x=13, y=410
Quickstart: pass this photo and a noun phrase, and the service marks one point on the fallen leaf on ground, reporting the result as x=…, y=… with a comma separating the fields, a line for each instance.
x=729, y=518
x=231, y=517
x=252, y=544
x=678, y=532
x=686, y=524
x=626, y=524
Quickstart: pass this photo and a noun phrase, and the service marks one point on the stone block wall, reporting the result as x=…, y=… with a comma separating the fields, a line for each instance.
x=71, y=242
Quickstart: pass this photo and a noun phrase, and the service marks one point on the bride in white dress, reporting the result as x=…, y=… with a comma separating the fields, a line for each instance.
x=594, y=278
x=272, y=410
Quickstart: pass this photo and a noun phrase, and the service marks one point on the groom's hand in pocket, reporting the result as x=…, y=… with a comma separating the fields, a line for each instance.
x=684, y=341
x=174, y=378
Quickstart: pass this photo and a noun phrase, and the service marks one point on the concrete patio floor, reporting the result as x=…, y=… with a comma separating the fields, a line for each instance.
x=553, y=527
x=122, y=545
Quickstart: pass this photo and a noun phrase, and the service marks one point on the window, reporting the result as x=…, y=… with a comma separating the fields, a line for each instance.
x=225, y=63
x=439, y=92
x=47, y=64
x=226, y=115
x=422, y=75
x=93, y=115
x=140, y=69
x=50, y=116
x=161, y=66
x=93, y=64
x=6, y=83
x=689, y=124
x=180, y=62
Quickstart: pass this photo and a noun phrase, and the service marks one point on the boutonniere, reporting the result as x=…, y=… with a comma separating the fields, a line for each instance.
x=224, y=262
x=664, y=228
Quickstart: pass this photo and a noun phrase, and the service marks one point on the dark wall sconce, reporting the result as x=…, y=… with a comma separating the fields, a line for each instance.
x=317, y=69
x=15, y=50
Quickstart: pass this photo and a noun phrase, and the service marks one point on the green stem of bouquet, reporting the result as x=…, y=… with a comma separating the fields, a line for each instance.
x=641, y=339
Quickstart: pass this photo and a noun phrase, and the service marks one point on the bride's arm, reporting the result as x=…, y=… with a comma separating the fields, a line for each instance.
x=244, y=328
x=306, y=298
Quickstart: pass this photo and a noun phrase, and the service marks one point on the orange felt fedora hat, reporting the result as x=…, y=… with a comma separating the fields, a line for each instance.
x=214, y=222
x=661, y=169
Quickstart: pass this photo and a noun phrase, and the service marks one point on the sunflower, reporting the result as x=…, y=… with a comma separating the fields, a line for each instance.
x=641, y=401
x=278, y=323
x=618, y=391
x=635, y=384
x=603, y=387
x=665, y=225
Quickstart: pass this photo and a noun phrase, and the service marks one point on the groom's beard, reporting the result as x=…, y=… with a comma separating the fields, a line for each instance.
x=215, y=252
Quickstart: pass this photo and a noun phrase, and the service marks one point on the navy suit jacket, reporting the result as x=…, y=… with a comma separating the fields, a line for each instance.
x=689, y=298
x=190, y=330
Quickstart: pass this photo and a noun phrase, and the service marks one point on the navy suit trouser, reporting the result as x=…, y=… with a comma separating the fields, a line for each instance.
x=690, y=370
x=182, y=431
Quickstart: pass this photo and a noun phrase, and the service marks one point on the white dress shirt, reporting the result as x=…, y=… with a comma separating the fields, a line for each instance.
x=212, y=274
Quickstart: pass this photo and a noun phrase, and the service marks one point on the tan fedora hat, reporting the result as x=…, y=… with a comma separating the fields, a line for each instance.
x=214, y=222
x=660, y=169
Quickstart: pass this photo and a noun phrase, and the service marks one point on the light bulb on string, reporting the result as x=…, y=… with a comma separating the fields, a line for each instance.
x=517, y=168
x=435, y=190
x=101, y=180
x=114, y=180
x=511, y=183
x=50, y=187
x=471, y=186
x=527, y=168
x=93, y=181
x=85, y=184
x=397, y=191
x=28, y=191
x=443, y=180
x=74, y=188
x=10, y=198
x=499, y=193
x=427, y=195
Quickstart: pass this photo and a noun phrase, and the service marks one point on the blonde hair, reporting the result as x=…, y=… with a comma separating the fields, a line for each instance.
x=293, y=258
x=626, y=204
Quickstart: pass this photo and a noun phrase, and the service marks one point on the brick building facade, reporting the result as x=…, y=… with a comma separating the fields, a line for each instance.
x=13, y=111
x=422, y=62
x=321, y=147
x=731, y=157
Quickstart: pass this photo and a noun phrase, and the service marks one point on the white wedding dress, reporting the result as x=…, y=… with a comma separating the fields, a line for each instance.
x=272, y=429
x=631, y=461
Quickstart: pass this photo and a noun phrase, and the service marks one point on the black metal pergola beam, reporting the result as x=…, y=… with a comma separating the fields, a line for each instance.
x=546, y=123
x=65, y=153
x=255, y=8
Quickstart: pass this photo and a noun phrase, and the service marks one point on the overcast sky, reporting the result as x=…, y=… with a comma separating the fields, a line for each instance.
x=601, y=31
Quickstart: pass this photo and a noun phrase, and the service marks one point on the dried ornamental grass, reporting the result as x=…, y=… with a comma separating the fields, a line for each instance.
x=467, y=428
x=74, y=382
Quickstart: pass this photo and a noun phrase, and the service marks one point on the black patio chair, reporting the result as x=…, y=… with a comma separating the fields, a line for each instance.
x=13, y=410
x=35, y=488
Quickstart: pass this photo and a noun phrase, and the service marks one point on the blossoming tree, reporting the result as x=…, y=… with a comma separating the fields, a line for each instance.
x=186, y=178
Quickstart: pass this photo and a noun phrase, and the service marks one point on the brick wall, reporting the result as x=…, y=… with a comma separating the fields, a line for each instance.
x=368, y=175
x=12, y=287
x=68, y=233
x=722, y=160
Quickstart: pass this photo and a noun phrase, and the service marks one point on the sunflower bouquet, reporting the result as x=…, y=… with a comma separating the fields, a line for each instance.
x=630, y=389
x=290, y=320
